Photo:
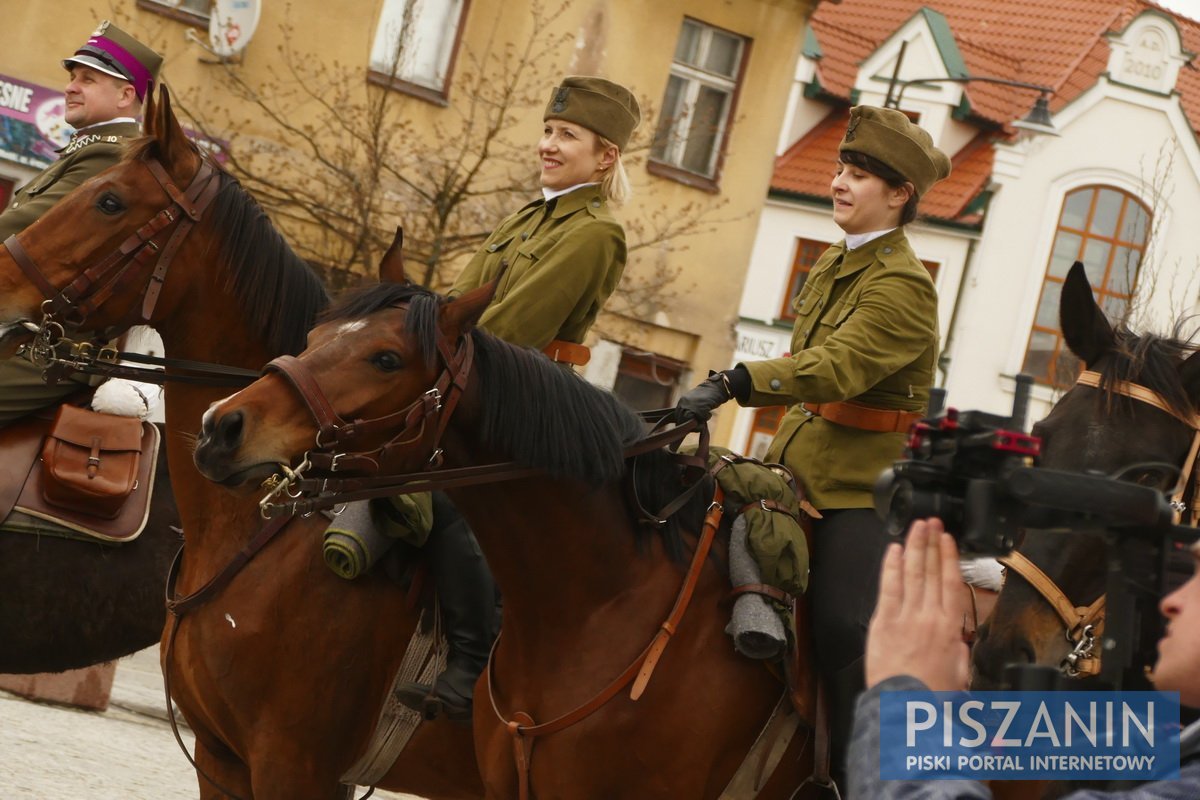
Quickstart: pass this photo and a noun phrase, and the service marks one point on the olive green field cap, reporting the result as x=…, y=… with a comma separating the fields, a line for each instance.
x=892, y=138
x=597, y=104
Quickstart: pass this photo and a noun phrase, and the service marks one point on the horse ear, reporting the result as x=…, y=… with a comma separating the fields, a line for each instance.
x=1189, y=373
x=391, y=268
x=149, y=110
x=1085, y=328
x=461, y=314
x=174, y=145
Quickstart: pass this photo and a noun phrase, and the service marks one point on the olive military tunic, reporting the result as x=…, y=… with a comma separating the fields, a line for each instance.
x=866, y=331
x=90, y=152
x=561, y=260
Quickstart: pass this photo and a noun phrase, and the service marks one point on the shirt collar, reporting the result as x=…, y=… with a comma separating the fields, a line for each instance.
x=550, y=194
x=857, y=240
x=113, y=121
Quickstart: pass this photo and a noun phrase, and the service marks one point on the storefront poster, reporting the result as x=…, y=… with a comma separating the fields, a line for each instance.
x=32, y=127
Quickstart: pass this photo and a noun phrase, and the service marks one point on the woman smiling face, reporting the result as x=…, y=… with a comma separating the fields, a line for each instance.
x=864, y=202
x=571, y=154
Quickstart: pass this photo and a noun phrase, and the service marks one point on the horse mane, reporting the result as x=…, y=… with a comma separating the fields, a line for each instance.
x=541, y=415
x=277, y=290
x=1151, y=360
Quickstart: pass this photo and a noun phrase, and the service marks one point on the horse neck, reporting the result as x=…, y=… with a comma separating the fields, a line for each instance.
x=555, y=547
x=208, y=327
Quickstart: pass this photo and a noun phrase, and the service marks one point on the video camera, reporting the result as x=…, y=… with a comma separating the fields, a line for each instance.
x=977, y=473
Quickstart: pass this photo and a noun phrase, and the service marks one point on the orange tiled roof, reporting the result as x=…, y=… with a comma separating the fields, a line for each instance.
x=1060, y=44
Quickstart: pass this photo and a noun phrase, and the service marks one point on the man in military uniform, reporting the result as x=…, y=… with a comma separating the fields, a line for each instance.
x=110, y=77
x=864, y=348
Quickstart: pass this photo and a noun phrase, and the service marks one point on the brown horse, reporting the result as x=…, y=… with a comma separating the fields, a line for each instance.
x=1096, y=428
x=282, y=673
x=585, y=589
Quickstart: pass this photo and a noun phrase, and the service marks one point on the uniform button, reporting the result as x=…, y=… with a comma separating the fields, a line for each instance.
x=887, y=251
x=504, y=262
x=776, y=384
x=804, y=333
x=595, y=204
x=524, y=236
x=493, y=248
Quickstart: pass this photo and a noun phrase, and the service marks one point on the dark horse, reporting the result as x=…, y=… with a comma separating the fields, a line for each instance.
x=280, y=675
x=585, y=587
x=66, y=604
x=1097, y=428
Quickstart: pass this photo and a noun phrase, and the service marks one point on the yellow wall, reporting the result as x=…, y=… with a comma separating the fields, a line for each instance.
x=629, y=41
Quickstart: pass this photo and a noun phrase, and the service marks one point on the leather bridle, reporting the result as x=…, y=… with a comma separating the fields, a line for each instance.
x=1085, y=624
x=422, y=422
x=145, y=255
x=152, y=246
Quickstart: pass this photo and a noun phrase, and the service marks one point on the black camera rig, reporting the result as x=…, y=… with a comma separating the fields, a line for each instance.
x=978, y=473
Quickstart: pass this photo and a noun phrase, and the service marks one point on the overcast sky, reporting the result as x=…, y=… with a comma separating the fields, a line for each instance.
x=1189, y=8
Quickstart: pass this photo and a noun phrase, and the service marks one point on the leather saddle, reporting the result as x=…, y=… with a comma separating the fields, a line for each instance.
x=69, y=471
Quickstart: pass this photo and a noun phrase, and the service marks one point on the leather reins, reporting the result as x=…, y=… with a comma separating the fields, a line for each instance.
x=151, y=249
x=1085, y=624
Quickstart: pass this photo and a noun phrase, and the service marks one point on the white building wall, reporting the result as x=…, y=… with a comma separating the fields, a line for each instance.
x=1112, y=136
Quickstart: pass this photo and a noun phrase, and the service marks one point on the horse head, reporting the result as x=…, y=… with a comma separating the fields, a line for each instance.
x=1100, y=429
x=395, y=345
x=83, y=257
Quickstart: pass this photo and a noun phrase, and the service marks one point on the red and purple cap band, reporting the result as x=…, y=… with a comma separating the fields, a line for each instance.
x=113, y=55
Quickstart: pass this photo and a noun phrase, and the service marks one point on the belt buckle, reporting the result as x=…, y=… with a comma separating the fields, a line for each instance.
x=806, y=411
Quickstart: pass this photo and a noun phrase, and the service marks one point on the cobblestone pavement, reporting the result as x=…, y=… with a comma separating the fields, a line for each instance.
x=52, y=752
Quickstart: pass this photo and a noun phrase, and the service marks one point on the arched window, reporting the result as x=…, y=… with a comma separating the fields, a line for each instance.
x=1106, y=229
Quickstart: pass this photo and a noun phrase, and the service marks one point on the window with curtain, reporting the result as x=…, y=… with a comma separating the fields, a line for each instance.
x=1106, y=229
x=415, y=44
x=698, y=104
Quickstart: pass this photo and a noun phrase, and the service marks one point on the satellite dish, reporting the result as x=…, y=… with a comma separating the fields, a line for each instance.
x=231, y=23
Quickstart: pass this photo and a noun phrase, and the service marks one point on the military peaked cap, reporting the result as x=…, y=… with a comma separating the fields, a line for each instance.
x=891, y=137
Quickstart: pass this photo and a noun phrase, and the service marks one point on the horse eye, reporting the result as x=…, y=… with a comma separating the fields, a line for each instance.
x=387, y=361
x=110, y=204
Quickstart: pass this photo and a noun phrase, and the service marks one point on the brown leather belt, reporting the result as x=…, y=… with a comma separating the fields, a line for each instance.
x=852, y=415
x=568, y=352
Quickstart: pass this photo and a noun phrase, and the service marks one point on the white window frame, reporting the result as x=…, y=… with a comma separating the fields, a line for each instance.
x=676, y=134
x=202, y=9
x=436, y=25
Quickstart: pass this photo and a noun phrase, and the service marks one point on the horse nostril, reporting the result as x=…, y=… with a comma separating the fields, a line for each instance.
x=228, y=431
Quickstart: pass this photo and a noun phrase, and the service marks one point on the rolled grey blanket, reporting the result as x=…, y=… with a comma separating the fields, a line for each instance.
x=756, y=628
x=353, y=542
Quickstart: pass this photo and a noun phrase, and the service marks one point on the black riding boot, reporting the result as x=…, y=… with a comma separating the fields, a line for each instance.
x=467, y=596
x=842, y=689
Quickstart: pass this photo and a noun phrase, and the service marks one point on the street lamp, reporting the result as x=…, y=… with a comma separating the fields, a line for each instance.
x=1036, y=121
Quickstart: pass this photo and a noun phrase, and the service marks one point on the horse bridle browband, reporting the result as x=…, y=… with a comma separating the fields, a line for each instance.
x=1085, y=624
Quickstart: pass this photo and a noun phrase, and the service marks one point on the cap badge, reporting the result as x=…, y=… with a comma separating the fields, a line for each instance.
x=560, y=99
x=850, y=128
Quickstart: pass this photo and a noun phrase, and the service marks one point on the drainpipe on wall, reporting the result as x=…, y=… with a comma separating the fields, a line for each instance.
x=943, y=364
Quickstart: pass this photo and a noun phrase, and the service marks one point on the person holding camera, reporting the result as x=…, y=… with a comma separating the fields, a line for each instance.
x=864, y=349
x=915, y=642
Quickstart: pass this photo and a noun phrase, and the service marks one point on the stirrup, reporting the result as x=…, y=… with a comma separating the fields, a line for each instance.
x=429, y=705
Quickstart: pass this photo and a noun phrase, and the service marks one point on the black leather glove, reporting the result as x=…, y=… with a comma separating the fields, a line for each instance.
x=698, y=403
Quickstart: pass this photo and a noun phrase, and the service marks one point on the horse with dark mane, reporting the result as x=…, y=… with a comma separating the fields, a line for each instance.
x=281, y=672
x=574, y=703
x=1102, y=424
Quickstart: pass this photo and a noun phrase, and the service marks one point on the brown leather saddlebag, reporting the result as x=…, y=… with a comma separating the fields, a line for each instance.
x=91, y=461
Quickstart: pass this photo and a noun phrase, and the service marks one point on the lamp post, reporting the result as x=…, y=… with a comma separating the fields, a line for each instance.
x=1037, y=120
